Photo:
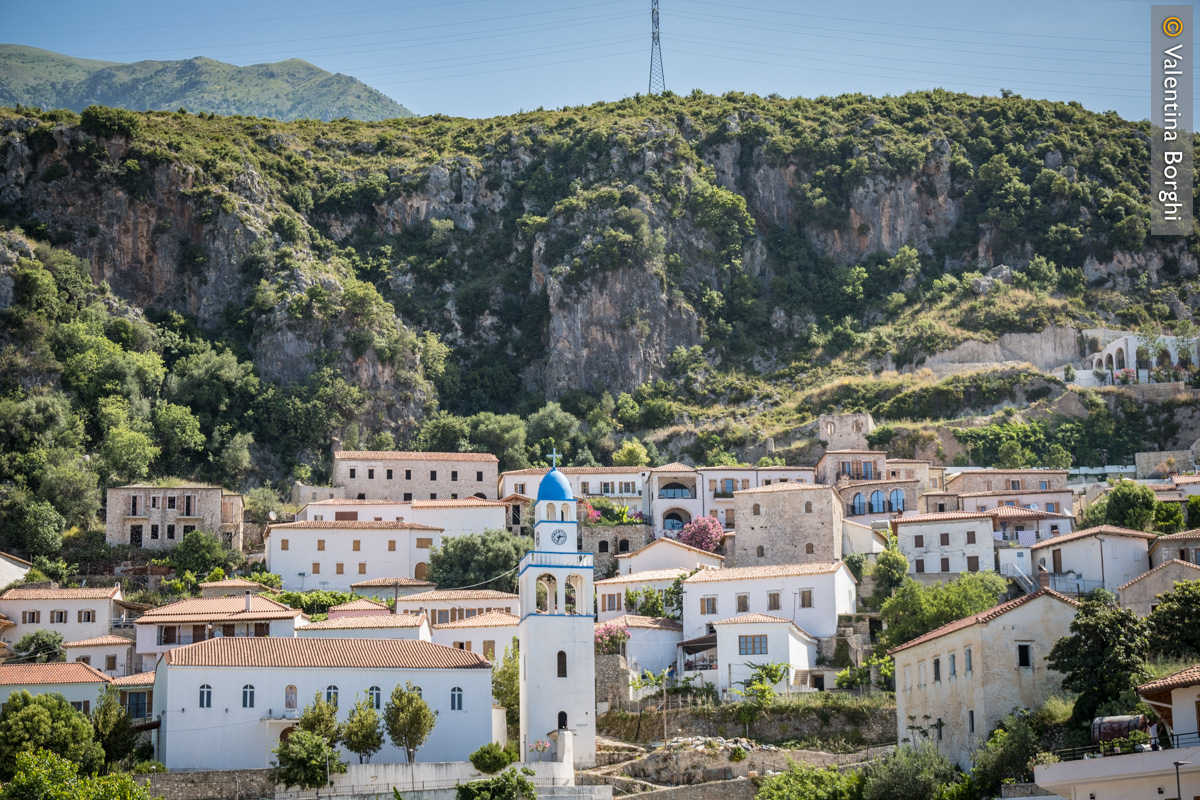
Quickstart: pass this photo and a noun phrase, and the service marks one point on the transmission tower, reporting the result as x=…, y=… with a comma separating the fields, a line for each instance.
x=657, y=83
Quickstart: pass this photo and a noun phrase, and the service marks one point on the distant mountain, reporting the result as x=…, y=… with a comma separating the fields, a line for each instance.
x=285, y=90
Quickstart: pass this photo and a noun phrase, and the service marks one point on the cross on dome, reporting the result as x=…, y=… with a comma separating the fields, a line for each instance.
x=554, y=457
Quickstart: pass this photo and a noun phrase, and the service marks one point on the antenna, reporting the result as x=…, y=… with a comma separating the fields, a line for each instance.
x=657, y=82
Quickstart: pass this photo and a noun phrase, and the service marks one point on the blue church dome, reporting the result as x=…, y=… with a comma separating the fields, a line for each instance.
x=554, y=487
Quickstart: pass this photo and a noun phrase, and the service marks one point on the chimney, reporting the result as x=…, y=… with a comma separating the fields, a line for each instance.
x=247, y=599
x=1043, y=578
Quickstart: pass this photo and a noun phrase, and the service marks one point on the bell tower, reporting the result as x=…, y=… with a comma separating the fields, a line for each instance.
x=555, y=634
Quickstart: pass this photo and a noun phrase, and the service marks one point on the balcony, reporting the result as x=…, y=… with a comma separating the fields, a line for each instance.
x=676, y=494
x=722, y=495
x=887, y=507
x=1164, y=743
x=540, y=558
x=856, y=476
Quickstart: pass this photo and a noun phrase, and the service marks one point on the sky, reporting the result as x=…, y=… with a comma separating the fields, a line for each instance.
x=481, y=58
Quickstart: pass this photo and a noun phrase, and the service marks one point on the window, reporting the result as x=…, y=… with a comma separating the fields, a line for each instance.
x=611, y=602
x=953, y=665
x=353, y=472
x=154, y=501
x=320, y=544
x=433, y=474
x=967, y=660
x=562, y=663
x=456, y=699
x=186, y=530
x=743, y=603
x=806, y=598
x=58, y=617
x=408, y=497
x=389, y=474
x=562, y=720
x=1024, y=655
x=708, y=605
x=331, y=695
x=283, y=544
x=433, y=495
x=171, y=503
x=84, y=660
x=970, y=721
x=756, y=510
x=247, y=696
x=772, y=601
x=972, y=563
x=1042, y=485
x=752, y=645
x=356, y=545
x=339, y=568
x=808, y=549
x=944, y=539
x=920, y=565
x=371, y=474
x=86, y=615
x=84, y=706
x=489, y=648
x=603, y=547
x=970, y=537
x=170, y=531
x=479, y=476
x=110, y=663
x=153, y=531
x=937, y=670
x=262, y=629
x=31, y=617
x=760, y=551
x=205, y=696
x=1052, y=507
x=424, y=543
x=939, y=725
x=133, y=506
x=1015, y=486
x=362, y=568
x=453, y=474
x=945, y=564
x=623, y=546
x=918, y=541
x=316, y=569
x=374, y=697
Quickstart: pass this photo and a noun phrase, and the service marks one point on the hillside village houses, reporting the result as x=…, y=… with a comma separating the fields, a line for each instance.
x=157, y=516
x=333, y=555
x=404, y=476
x=77, y=614
x=610, y=592
x=370, y=626
x=1140, y=595
x=1184, y=546
x=1105, y=556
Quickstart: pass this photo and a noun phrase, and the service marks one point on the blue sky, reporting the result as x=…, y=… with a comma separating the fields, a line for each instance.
x=479, y=58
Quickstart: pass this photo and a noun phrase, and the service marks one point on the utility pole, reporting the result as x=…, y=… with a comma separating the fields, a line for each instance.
x=657, y=82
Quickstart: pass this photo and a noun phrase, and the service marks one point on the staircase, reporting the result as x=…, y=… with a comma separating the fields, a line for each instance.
x=1013, y=572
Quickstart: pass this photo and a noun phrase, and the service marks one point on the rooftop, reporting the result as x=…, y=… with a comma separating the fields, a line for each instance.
x=983, y=616
x=361, y=604
x=790, y=486
x=1194, y=533
x=44, y=674
x=1179, y=680
x=443, y=595
x=390, y=582
x=102, y=641
x=1099, y=530
x=140, y=679
x=646, y=575
x=233, y=583
x=461, y=502
x=409, y=455
x=578, y=471
x=853, y=452
x=368, y=621
x=1159, y=568
x=100, y=593
x=674, y=542
x=320, y=653
x=638, y=621
x=942, y=516
x=775, y=571
x=218, y=609
x=488, y=619
x=674, y=466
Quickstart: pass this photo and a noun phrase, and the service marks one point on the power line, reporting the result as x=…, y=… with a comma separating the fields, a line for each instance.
x=658, y=84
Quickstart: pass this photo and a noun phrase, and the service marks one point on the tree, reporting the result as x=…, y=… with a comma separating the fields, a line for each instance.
x=703, y=533
x=306, y=760
x=812, y=783
x=363, y=732
x=631, y=453
x=502, y=435
x=43, y=775
x=553, y=425
x=1104, y=658
x=1168, y=517
x=35, y=527
x=260, y=502
x=1057, y=457
x=489, y=557
x=1131, y=505
x=178, y=432
x=1172, y=623
x=506, y=685
x=47, y=722
x=916, y=772
x=890, y=571
x=512, y=784
x=39, y=647
x=74, y=490
x=235, y=458
x=914, y=609
x=112, y=726
x=199, y=551
x=320, y=719
x=128, y=453
x=648, y=602
x=1013, y=456
x=408, y=719
x=443, y=432
x=1193, y=511
x=1009, y=752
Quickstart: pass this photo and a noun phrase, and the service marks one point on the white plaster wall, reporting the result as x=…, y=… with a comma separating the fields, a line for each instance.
x=11, y=570
x=460, y=520
x=383, y=510
x=74, y=692
x=619, y=589
x=833, y=594
x=651, y=649
x=784, y=645
x=500, y=635
x=666, y=556
x=72, y=630
x=544, y=694
x=127, y=663
x=302, y=552
x=1124, y=559
x=957, y=550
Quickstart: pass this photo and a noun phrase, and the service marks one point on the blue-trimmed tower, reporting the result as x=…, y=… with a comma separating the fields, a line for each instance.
x=555, y=635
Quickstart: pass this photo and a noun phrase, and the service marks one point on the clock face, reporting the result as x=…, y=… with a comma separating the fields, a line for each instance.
x=559, y=536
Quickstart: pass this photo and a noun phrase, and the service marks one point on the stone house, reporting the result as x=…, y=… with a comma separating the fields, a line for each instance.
x=836, y=466
x=608, y=543
x=844, y=431
x=402, y=476
x=1184, y=546
x=955, y=683
x=875, y=501
x=1141, y=594
x=157, y=516
x=1011, y=480
x=929, y=477
x=788, y=523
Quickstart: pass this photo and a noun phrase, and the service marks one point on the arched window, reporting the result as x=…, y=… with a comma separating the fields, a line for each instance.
x=374, y=697
x=562, y=663
x=858, y=505
x=456, y=699
x=877, y=505
x=247, y=696
x=562, y=720
x=897, y=498
x=565, y=513
x=421, y=571
x=761, y=551
x=673, y=521
x=417, y=689
x=808, y=507
x=331, y=695
x=757, y=509
x=623, y=547
x=829, y=429
x=205, y=696
x=808, y=549
x=603, y=547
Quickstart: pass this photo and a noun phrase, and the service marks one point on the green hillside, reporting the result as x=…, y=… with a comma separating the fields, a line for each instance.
x=286, y=90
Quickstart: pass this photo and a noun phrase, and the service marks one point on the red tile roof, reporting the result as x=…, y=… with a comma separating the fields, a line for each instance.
x=347, y=502
x=102, y=641
x=638, y=621
x=1102, y=530
x=488, y=619
x=351, y=524
x=776, y=571
x=1162, y=566
x=790, y=486
x=365, y=622
x=390, y=582
x=140, y=679
x=674, y=466
x=100, y=593
x=753, y=619
x=1013, y=492
x=852, y=451
x=443, y=595
x=218, y=609
x=69, y=672
x=403, y=455
x=233, y=583
x=1179, y=680
x=983, y=616
x=674, y=542
x=296, y=653
x=1194, y=533
x=361, y=604
x=578, y=471
x=942, y=516
x=462, y=502
x=645, y=576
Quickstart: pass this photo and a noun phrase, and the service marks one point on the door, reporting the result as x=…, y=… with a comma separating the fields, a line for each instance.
x=1056, y=555
x=135, y=535
x=199, y=633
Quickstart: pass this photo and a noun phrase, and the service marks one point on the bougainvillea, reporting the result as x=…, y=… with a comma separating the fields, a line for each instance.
x=609, y=638
x=703, y=533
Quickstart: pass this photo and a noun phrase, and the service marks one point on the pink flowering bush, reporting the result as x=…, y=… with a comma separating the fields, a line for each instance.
x=609, y=638
x=703, y=533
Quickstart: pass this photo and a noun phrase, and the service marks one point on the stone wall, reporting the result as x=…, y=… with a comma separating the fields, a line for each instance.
x=242, y=784
x=635, y=537
x=1047, y=349
x=692, y=767
x=612, y=681
x=737, y=789
x=788, y=521
x=844, y=431
x=1153, y=464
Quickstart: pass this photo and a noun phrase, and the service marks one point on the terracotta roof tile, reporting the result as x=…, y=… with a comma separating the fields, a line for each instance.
x=1105, y=530
x=942, y=516
x=755, y=469
x=1013, y=492
x=488, y=619
x=983, y=616
x=348, y=502
x=753, y=619
x=443, y=595
x=674, y=466
x=297, y=653
x=645, y=576
x=390, y=582
x=69, y=672
x=233, y=583
x=408, y=455
x=1194, y=533
x=790, y=486
x=102, y=641
x=361, y=604
x=1179, y=680
x=877, y=482
x=1162, y=566
x=218, y=609
x=776, y=571
x=350, y=524
x=140, y=679
x=674, y=542
x=852, y=451
x=99, y=593
x=365, y=622
x=638, y=621
x=909, y=461
x=578, y=471
x=462, y=502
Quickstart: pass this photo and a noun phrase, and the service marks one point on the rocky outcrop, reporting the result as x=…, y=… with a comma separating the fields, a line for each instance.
x=1046, y=350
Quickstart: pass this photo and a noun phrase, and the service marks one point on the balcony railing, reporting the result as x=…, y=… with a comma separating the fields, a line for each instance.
x=722, y=495
x=1067, y=583
x=676, y=494
x=887, y=507
x=856, y=476
x=541, y=558
x=1174, y=741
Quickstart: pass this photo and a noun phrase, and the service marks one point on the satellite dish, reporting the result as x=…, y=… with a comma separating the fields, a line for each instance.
x=271, y=515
